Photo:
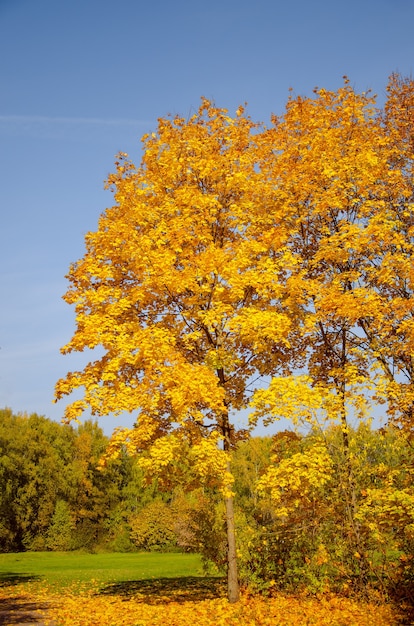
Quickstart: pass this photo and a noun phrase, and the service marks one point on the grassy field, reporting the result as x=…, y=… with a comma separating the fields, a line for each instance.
x=76, y=589
x=62, y=569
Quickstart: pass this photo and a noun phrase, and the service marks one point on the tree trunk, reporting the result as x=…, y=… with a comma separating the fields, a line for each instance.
x=232, y=574
x=227, y=431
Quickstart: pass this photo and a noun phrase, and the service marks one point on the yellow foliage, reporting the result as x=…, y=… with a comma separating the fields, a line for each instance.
x=176, y=285
x=234, y=251
x=297, y=480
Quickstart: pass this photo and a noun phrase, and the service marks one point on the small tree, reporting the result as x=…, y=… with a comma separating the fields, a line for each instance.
x=179, y=286
x=152, y=528
x=59, y=534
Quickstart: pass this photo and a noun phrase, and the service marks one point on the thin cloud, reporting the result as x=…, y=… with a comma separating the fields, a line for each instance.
x=72, y=128
x=45, y=119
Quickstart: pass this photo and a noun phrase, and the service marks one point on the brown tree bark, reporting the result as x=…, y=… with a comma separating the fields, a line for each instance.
x=233, y=589
x=232, y=570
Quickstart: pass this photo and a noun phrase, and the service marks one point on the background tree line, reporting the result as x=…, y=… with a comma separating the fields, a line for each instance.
x=53, y=496
x=298, y=525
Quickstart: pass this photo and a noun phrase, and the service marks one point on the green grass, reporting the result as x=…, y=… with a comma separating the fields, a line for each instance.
x=63, y=569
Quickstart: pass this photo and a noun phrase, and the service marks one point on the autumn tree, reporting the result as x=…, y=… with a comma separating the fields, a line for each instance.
x=333, y=169
x=344, y=189
x=389, y=274
x=179, y=289
x=346, y=170
x=235, y=252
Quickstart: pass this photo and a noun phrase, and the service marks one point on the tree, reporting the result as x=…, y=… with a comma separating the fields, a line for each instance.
x=59, y=535
x=32, y=474
x=389, y=275
x=153, y=527
x=178, y=288
x=234, y=253
x=333, y=166
x=96, y=491
x=346, y=169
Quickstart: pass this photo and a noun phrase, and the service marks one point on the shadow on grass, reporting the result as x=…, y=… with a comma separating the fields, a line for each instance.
x=8, y=579
x=20, y=610
x=162, y=590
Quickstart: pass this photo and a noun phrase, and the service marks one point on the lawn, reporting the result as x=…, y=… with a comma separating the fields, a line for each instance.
x=76, y=589
x=61, y=569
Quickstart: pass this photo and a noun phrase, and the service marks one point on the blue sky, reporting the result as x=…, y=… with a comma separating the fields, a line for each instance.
x=84, y=79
